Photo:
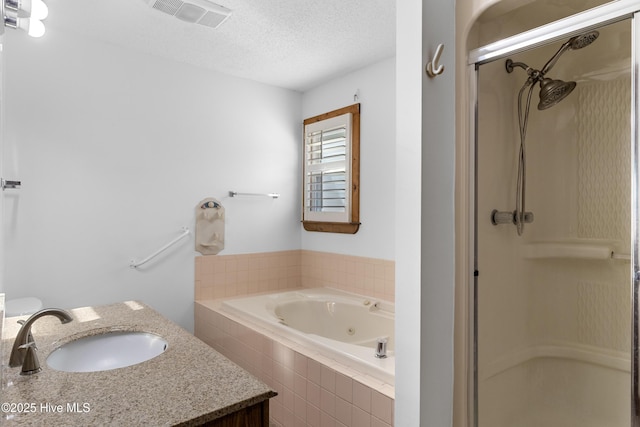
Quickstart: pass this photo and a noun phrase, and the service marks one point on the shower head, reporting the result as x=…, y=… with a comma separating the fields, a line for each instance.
x=583, y=40
x=553, y=91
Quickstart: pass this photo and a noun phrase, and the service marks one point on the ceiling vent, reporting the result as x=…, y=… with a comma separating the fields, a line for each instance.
x=201, y=12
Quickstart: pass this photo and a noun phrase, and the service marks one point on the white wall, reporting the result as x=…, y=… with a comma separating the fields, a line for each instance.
x=425, y=212
x=375, y=86
x=408, y=213
x=115, y=149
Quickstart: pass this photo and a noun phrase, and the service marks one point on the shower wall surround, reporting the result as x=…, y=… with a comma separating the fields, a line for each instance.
x=604, y=153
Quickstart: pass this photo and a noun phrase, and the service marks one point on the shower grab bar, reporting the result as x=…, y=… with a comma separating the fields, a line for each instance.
x=235, y=193
x=573, y=250
x=136, y=264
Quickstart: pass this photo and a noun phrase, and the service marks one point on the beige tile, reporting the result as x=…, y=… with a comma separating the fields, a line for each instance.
x=390, y=270
x=242, y=275
x=343, y=411
x=197, y=267
x=313, y=415
x=277, y=352
x=362, y=396
x=198, y=290
x=313, y=394
x=360, y=267
x=278, y=372
x=389, y=289
x=242, y=263
x=288, y=398
x=327, y=402
x=360, y=418
x=344, y=387
x=266, y=366
x=275, y=409
x=218, y=291
x=300, y=407
x=327, y=420
x=369, y=270
x=314, y=371
x=300, y=386
x=289, y=378
x=351, y=266
x=328, y=378
x=300, y=364
x=263, y=262
x=231, y=265
x=375, y=422
x=381, y=406
x=288, y=417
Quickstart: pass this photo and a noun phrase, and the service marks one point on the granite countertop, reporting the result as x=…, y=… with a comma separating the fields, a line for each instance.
x=187, y=385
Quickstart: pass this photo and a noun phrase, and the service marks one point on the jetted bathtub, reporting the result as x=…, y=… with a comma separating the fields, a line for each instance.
x=339, y=325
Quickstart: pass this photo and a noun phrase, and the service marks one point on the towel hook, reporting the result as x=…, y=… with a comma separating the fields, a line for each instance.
x=432, y=68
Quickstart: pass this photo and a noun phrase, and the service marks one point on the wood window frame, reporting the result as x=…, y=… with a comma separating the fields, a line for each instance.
x=352, y=224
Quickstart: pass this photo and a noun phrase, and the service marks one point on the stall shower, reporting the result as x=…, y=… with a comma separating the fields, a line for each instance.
x=553, y=300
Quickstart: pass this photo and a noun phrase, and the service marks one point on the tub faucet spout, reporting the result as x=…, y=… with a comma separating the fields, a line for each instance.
x=24, y=345
x=381, y=348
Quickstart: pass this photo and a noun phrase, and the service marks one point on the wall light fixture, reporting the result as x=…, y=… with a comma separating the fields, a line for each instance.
x=26, y=15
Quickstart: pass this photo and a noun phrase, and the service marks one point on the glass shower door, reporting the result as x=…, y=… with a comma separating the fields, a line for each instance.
x=553, y=305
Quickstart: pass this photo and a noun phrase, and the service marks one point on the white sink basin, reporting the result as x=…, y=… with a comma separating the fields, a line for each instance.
x=106, y=351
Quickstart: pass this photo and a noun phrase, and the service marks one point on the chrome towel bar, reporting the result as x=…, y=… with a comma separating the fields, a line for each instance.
x=235, y=193
x=135, y=264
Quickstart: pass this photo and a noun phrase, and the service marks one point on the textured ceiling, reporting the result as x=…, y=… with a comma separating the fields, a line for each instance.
x=295, y=44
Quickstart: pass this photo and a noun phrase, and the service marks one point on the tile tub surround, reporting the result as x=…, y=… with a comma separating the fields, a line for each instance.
x=220, y=276
x=189, y=384
x=312, y=390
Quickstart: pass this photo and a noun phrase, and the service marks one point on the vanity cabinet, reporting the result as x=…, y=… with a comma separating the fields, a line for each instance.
x=189, y=384
x=253, y=416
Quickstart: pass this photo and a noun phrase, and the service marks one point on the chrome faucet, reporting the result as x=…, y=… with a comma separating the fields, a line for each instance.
x=23, y=351
x=381, y=348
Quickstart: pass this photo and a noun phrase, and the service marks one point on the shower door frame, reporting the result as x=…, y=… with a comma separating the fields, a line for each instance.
x=555, y=31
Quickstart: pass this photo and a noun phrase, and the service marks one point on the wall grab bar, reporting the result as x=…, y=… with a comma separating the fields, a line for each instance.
x=136, y=264
x=235, y=193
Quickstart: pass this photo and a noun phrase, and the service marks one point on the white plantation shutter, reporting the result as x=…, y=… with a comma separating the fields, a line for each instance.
x=327, y=160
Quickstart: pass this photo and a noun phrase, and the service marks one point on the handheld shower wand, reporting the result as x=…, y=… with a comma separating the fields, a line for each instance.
x=551, y=92
x=574, y=43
